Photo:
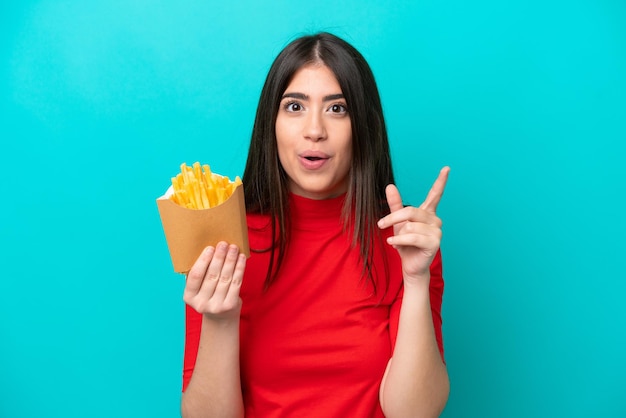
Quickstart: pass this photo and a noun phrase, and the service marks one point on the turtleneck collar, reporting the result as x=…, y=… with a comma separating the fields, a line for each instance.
x=310, y=213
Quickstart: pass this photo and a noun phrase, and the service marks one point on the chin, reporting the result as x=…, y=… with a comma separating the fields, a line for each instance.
x=317, y=190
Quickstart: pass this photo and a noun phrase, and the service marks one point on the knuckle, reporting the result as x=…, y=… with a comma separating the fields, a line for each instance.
x=228, y=306
x=193, y=275
x=195, y=305
x=233, y=304
x=212, y=308
x=187, y=298
x=434, y=242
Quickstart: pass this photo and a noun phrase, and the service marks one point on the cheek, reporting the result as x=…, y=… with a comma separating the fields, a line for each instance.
x=347, y=147
x=284, y=133
x=283, y=149
x=347, y=162
x=280, y=139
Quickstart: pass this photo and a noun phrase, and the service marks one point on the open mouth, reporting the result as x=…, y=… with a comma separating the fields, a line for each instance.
x=314, y=161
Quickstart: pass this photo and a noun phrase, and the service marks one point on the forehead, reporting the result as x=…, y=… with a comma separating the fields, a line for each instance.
x=312, y=78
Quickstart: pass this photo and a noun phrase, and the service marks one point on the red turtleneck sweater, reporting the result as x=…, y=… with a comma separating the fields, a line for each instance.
x=318, y=341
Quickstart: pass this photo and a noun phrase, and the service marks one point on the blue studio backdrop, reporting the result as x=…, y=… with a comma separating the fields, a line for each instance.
x=101, y=101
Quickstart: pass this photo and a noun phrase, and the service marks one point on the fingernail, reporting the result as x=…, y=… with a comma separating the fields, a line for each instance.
x=381, y=223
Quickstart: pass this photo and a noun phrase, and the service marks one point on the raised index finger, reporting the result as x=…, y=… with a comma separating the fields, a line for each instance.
x=436, y=191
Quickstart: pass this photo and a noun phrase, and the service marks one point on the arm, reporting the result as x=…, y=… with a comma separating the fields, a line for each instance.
x=416, y=382
x=212, y=289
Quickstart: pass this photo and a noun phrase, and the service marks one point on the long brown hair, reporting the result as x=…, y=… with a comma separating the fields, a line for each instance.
x=266, y=183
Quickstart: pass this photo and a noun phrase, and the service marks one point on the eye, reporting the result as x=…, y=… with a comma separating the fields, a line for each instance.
x=292, y=107
x=338, y=108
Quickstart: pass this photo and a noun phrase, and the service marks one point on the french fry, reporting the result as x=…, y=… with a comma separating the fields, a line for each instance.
x=196, y=187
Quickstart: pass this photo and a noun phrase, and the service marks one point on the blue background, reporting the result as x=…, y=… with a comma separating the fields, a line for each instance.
x=100, y=101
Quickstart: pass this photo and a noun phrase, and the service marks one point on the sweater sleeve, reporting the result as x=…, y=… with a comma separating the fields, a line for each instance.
x=193, y=326
x=436, y=298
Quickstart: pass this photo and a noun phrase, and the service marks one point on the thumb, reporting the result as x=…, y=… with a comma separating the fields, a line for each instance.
x=393, y=198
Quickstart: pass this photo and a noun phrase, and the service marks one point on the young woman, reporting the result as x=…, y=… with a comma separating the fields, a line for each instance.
x=337, y=311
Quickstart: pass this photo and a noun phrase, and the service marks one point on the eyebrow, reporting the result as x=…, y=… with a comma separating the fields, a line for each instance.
x=302, y=96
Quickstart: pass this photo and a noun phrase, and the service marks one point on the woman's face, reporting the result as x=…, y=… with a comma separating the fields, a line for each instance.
x=314, y=135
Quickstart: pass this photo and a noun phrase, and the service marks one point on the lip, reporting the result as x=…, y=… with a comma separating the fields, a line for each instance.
x=313, y=160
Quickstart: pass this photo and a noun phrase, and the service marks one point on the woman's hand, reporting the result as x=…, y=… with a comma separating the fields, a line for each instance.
x=213, y=283
x=417, y=231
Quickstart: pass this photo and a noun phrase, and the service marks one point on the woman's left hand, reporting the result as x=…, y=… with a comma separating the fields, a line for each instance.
x=417, y=231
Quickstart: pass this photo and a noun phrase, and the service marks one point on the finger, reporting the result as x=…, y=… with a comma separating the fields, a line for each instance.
x=436, y=191
x=195, y=277
x=411, y=215
x=232, y=297
x=226, y=273
x=418, y=228
x=393, y=198
x=431, y=225
x=213, y=272
x=426, y=242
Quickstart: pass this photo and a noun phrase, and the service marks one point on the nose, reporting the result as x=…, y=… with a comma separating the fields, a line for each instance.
x=315, y=129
